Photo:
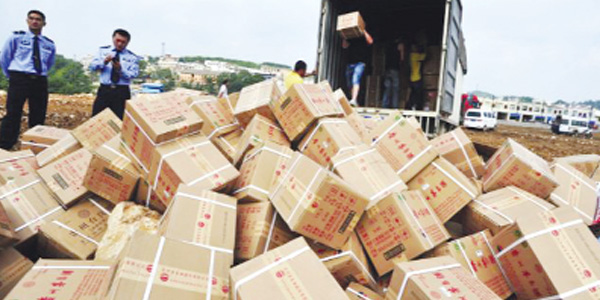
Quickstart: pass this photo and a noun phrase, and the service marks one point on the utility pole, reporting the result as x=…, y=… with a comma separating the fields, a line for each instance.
x=163, y=50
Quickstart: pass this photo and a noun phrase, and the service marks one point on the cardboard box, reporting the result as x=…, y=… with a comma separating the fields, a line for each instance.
x=153, y=267
x=16, y=164
x=29, y=203
x=585, y=163
x=446, y=189
x=193, y=161
x=233, y=98
x=201, y=217
x=499, y=209
x=63, y=147
x=340, y=96
x=550, y=254
x=145, y=196
x=64, y=279
x=261, y=170
x=349, y=264
x=152, y=120
x=435, y=278
x=316, y=203
x=401, y=223
x=13, y=266
x=257, y=132
x=430, y=81
x=475, y=253
x=578, y=191
x=65, y=176
x=254, y=100
x=111, y=174
x=217, y=115
x=98, y=130
x=328, y=138
x=373, y=93
x=456, y=147
x=351, y=25
x=355, y=291
x=403, y=144
x=431, y=65
x=259, y=229
x=41, y=137
x=515, y=165
x=7, y=232
x=291, y=271
x=76, y=233
x=368, y=172
x=301, y=106
x=228, y=143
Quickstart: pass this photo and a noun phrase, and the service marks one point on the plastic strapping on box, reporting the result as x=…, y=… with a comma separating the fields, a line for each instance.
x=409, y=163
x=497, y=171
x=34, y=144
x=539, y=233
x=252, y=187
x=211, y=272
x=464, y=254
x=150, y=282
x=312, y=181
x=13, y=158
x=509, y=219
x=71, y=267
x=385, y=190
x=576, y=177
x=226, y=142
x=67, y=228
x=573, y=292
x=354, y=258
x=435, y=219
x=271, y=229
x=357, y=293
x=269, y=124
x=383, y=134
x=216, y=130
x=268, y=150
x=161, y=143
x=209, y=174
x=420, y=272
x=50, y=212
x=195, y=102
x=462, y=186
x=421, y=229
x=164, y=157
x=524, y=196
x=284, y=179
x=117, y=153
x=266, y=268
x=100, y=207
x=314, y=131
x=351, y=158
x=581, y=212
x=311, y=102
x=487, y=242
x=139, y=162
x=211, y=201
x=20, y=188
x=462, y=148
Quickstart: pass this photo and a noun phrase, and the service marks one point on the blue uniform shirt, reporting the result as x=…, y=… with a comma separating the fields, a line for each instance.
x=129, y=65
x=17, y=53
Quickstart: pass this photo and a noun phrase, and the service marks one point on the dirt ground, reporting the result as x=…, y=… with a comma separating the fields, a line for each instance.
x=69, y=111
x=539, y=140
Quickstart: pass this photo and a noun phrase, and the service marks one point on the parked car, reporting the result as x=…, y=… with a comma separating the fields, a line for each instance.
x=480, y=119
x=572, y=126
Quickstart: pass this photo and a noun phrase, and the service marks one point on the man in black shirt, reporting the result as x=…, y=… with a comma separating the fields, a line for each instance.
x=358, y=54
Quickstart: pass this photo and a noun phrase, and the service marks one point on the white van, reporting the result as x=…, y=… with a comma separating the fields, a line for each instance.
x=575, y=126
x=480, y=119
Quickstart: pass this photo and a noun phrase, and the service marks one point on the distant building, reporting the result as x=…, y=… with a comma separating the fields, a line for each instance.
x=198, y=76
x=536, y=110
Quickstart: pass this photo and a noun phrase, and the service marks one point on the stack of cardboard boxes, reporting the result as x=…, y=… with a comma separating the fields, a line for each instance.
x=289, y=196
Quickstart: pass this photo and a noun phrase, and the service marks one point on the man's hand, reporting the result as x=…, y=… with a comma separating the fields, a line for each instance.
x=345, y=43
x=368, y=38
x=107, y=59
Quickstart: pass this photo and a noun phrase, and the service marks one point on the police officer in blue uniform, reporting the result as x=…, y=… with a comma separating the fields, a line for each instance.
x=117, y=66
x=26, y=59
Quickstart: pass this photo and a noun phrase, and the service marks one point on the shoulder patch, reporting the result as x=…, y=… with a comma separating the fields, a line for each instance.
x=19, y=32
x=130, y=52
x=105, y=47
x=48, y=39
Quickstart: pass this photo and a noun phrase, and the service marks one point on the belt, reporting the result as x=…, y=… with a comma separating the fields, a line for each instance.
x=27, y=75
x=114, y=86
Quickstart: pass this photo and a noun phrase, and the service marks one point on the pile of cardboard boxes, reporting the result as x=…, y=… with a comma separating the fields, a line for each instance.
x=288, y=195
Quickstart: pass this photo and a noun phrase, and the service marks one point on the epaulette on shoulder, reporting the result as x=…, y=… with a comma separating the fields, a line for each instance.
x=105, y=47
x=49, y=40
x=19, y=32
x=131, y=52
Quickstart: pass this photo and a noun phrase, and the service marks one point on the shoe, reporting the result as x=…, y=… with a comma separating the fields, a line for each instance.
x=354, y=103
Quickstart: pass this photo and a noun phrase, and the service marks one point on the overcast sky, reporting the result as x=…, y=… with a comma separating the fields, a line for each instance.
x=540, y=48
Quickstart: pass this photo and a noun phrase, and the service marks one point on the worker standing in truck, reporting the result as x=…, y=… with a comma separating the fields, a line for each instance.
x=358, y=52
x=417, y=56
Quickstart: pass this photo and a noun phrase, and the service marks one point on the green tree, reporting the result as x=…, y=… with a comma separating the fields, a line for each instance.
x=68, y=77
x=237, y=81
x=166, y=77
x=3, y=81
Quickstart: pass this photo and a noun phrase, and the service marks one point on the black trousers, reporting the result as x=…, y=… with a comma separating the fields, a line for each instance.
x=112, y=97
x=23, y=87
x=416, y=96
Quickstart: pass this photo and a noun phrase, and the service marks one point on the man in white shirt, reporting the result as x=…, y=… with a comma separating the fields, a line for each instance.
x=223, y=90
